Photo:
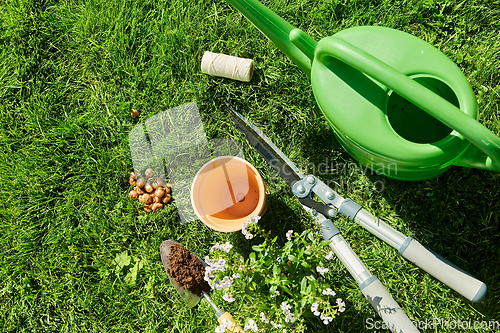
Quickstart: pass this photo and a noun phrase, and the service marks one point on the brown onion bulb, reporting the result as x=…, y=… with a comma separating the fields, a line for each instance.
x=138, y=190
x=148, y=188
x=141, y=182
x=133, y=195
x=167, y=198
x=160, y=192
x=146, y=199
x=157, y=206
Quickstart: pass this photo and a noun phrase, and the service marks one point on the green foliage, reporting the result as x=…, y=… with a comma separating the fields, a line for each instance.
x=278, y=285
x=124, y=261
x=71, y=71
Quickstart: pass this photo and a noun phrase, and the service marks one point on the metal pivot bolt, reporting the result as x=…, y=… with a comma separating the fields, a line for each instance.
x=311, y=180
x=314, y=212
x=332, y=212
x=330, y=195
x=299, y=190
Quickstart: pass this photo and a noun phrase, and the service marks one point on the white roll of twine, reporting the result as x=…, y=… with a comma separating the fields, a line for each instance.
x=217, y=64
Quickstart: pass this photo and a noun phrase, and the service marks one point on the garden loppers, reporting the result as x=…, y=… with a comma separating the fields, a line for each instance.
x=223, y=317
x=303, y=186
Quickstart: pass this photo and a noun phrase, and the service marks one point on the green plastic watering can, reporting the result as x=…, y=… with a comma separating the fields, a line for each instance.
x=396, y=103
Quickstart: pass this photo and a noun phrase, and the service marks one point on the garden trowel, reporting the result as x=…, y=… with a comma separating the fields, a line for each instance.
x=223, y=317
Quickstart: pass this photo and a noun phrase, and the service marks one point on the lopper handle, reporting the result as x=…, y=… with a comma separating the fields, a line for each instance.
x=387, y=308
x=437, y=266
x=226, y=317
x=443, y=270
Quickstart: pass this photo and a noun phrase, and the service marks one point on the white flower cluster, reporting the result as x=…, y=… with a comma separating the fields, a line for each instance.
x=218, y=265
x=251, y=325
x=322, y=270
x=226, y=247
x=228, y=297
x=327, y=319
x=213, y=265
x=329, y=292
x=341, y=305
x=289, y=235
x=290, y=318
x=252, y=220
x=329, y=256
x=266, y=321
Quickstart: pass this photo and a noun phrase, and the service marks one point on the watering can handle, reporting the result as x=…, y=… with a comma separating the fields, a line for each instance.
x=486, y=142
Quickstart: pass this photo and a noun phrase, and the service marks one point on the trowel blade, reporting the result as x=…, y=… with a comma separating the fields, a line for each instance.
x=188, y=297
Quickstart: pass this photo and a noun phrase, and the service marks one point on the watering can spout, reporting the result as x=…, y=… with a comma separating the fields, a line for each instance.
x=296, y=44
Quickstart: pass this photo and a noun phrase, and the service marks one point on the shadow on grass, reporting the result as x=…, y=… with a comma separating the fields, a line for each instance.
x=455, y=214
x=278, y=219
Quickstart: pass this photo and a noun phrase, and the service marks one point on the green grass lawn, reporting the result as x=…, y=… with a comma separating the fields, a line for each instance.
x=71, y=71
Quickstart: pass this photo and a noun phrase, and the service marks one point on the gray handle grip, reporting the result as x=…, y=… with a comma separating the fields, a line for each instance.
x=443, y=270
x=391, y=313
x=387, y=308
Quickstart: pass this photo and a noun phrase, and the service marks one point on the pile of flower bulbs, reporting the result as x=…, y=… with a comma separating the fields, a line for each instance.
x=153, y=193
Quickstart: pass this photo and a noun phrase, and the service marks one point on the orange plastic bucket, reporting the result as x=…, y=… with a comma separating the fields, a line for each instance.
x=226, y=192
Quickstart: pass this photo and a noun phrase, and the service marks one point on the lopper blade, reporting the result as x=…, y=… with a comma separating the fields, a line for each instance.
x=285, y=168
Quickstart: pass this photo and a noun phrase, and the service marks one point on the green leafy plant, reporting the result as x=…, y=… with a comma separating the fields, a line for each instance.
x=124, y=261
x=281, y=285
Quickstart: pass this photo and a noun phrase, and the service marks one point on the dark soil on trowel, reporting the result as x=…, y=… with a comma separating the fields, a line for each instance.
x=187, y=270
